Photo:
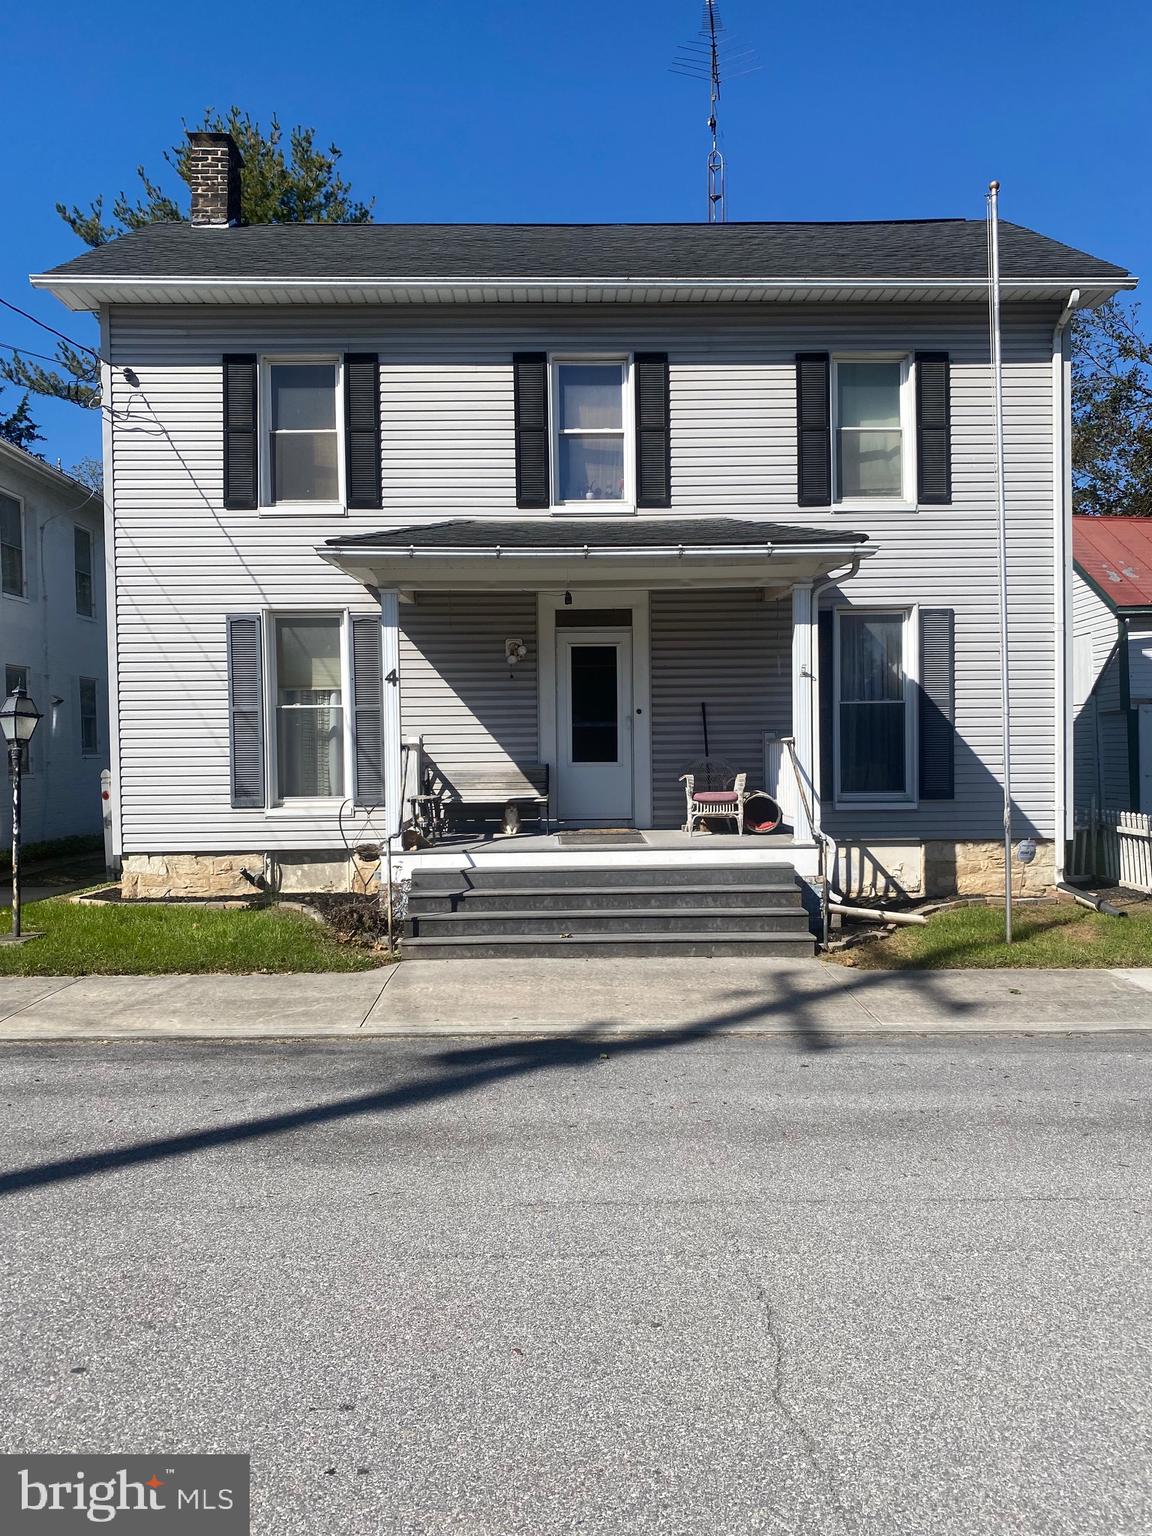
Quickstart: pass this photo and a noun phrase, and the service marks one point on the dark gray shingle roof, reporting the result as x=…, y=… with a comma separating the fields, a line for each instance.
x=916, y=249
x=576, y=533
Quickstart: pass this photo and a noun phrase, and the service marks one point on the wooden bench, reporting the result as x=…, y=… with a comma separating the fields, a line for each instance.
x=510, y=785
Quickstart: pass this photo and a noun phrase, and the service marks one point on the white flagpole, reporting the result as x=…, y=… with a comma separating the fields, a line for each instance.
x=1001, y=535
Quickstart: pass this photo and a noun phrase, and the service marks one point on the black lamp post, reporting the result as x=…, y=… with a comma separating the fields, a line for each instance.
x=19, y=718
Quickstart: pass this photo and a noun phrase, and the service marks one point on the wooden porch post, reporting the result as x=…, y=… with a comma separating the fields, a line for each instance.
x=390, y=655
x=805, y=664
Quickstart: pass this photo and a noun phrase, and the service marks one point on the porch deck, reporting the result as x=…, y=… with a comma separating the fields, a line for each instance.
x=493, y=850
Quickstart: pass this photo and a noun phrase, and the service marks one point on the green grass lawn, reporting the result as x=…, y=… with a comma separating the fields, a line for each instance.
x=155, y=941
x=1054, y=935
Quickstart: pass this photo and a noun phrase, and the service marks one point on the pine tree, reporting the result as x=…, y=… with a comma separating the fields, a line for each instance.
x=286, y=179
x=19, y=428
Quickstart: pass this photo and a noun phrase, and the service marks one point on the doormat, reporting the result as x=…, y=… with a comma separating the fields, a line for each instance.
x=601, y=837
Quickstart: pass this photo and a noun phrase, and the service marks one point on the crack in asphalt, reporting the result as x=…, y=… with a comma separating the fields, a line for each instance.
x=791, y=1418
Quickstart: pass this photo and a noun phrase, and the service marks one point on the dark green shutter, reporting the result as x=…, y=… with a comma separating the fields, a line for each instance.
x=813, y=430
x=653, y=434
x=937, y=704
x=530, y=404
x=368, y=711
x=933, y=429
x=241, y=421
x=246, y=710
x=362, y=429
x=824, y=642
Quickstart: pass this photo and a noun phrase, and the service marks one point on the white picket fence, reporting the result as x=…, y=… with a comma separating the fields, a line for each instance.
x=1114, y=846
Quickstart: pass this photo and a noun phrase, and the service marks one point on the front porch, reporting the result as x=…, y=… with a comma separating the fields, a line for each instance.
x=650, y=849
x=609, y=657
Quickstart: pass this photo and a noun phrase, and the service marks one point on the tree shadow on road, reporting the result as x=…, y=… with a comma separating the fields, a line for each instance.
x=467, y=1069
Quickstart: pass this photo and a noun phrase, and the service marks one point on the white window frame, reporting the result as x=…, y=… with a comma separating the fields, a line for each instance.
x=22, y=595
x=268, y=507
x=27, y=764
x=622, y=360
x=908, y=798
x=80, y=716
x=82, y=613
x=294, y=804
x=906, y=501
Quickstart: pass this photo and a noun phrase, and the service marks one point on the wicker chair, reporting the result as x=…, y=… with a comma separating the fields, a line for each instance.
x=714, y=792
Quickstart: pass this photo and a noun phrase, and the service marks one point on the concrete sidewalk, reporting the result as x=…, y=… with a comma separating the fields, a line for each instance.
x=809, y=1000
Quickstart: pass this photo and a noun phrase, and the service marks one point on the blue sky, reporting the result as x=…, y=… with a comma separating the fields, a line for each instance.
x=537, y=110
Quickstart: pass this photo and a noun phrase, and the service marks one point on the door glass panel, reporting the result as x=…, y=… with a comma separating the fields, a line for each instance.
x=595, y=713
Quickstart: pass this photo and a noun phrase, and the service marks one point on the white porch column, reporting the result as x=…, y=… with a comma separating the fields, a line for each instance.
x=805, y=683
x=390, y=653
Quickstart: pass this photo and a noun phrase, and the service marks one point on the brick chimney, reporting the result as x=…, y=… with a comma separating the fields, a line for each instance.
x=212, y=170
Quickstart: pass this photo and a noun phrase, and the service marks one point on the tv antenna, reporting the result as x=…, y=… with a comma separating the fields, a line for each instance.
x=708, y=57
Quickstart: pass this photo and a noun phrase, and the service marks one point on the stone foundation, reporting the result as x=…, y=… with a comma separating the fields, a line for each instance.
x=155, y=877
x=977, y=869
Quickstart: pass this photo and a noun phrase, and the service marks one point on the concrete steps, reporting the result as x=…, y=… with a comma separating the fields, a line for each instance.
x=692, y=911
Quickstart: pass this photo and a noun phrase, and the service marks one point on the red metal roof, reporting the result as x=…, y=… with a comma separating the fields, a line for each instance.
x=1115, y=554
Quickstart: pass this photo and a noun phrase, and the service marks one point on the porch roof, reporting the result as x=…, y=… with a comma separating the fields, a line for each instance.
x=593, y=552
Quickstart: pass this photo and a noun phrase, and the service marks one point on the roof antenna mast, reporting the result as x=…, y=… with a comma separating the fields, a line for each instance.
x=701, y=60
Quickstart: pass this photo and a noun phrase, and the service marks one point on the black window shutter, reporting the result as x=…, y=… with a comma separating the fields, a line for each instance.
x=241, y=455
x=530, y=402
x=813, y=430
x=933, y=429
x=824, y=641
x=937, y=704
x=368, y=710
x=362, y=429
x=246, y=709
x=653, y=433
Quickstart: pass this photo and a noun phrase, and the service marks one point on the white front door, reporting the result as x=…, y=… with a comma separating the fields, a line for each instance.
x=594, y=725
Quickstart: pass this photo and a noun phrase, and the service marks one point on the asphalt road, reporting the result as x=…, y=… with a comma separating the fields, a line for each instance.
x=500, y=1288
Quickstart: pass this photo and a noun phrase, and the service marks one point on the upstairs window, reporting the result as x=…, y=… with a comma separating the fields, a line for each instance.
x=302, y=447
x=82, y=557
x=871, y=405
x=11, y=546
x=309, y=695
x=590, y=449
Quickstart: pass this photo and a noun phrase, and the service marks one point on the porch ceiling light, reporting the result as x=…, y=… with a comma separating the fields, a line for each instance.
x=19, y=717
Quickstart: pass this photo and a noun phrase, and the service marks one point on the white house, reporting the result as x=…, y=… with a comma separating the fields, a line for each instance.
x=53, y=640
x=1112, y=668
x=549, y=498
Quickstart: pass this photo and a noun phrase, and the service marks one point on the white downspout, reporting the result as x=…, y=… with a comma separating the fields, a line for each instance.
x=1062, y=519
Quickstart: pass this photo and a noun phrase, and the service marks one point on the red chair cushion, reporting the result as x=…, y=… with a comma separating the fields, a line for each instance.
x=717, y=797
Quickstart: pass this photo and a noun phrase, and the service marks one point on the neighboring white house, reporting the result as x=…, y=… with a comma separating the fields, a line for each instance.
x=53, y=641
x=1112, y=641
x=548, y=497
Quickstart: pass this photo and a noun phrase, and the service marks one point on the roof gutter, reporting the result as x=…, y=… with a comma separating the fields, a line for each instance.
x=82, y=290
x=587, y=552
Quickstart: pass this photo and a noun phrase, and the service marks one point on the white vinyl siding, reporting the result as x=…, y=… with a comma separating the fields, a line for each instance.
x=447, y=450
x=1099, y=725
x=732, y=653
x=457, y=689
